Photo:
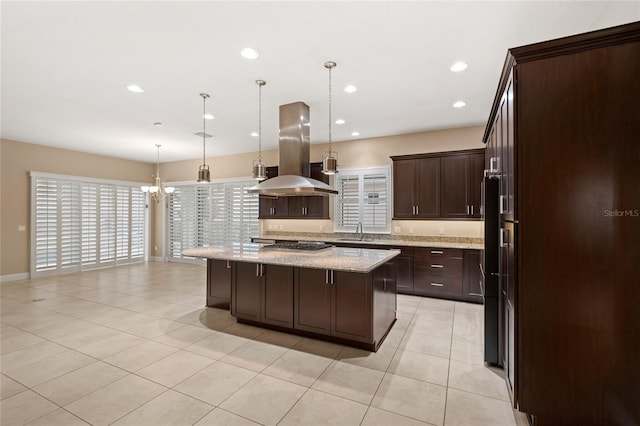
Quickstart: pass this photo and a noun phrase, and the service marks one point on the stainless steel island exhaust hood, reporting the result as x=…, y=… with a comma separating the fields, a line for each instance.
x=293, y=171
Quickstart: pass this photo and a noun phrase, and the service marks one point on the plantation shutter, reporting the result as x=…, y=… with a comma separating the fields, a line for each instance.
x=348, y=200
x=79, y=225
x=89, y=212
x=70, y=230
x=46, y=224
x=375, y=205
x=213, y=214
x=138, y=214
x=363, y=197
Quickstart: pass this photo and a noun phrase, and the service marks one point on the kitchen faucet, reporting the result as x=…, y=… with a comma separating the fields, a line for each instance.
x=359, y=230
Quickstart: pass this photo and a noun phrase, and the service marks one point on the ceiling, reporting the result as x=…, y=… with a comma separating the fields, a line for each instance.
x=66, y=65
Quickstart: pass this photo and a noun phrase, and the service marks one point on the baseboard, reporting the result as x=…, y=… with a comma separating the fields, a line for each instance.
x=14, y=277
x=156, y=259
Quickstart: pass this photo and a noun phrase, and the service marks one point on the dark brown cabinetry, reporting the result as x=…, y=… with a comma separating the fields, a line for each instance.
x=472, y=276
x=461, y=175
x=562, y=137
x=416, y=187
x=404, y=270
x=263, y=293
x=246, y=291
x=302, y=207
x=350, y=307
x=441, y=185
x=218, y=283
x=437, y=271
x=273, y=207
x=334, y=303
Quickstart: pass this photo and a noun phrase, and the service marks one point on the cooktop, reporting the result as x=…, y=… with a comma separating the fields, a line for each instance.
x=291, y=245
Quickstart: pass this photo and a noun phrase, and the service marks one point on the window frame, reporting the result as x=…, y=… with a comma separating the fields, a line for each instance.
x=361, y=173
x=79, y=230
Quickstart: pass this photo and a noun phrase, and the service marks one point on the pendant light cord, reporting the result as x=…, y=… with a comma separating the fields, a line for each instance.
x=260, y=84
x=158, y=161
x=204, y=121
x=330, y=68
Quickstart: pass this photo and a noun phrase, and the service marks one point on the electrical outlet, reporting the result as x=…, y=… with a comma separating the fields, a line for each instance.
x=396, y=230
x=321, y=228
x=441, y=230
x=22, y=228
x=411, y=229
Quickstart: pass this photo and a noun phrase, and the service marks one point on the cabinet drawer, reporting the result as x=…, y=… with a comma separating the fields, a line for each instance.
x=439, y=266
x=437, y=253
x=437, y=284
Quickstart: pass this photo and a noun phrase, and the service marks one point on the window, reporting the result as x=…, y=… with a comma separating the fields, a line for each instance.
x=222, y=213
x=363, y=197
x=83, y=223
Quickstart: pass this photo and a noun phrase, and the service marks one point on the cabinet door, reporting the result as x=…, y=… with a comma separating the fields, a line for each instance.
x=403, y=188
x=277, y=295
x=454, y=187
x=246, y=294
x=351, y=311
x=218, y=283
x=317, y=207
x=384, y=297
x=312, y=301
x=296, y=207
x=404, y=277
x=509, y=154
x=265, y=209
x=474, y=184
x=472, y=278
x=427, y=187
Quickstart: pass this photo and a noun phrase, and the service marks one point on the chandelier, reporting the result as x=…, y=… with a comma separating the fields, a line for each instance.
x=156, y=189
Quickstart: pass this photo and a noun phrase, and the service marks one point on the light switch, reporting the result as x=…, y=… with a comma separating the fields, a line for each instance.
x=22, y=228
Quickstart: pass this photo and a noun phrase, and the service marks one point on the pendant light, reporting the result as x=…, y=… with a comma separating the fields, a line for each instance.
x=330, y=158
x=156, y=189
x=259, y=169
x=203, y=171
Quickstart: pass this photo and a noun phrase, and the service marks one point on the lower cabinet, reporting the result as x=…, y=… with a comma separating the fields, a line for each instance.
x=472, y=276
x=263, y=293
x=404, y=263
x=437, y=271
x=218, y=283
x=347, y=306
x=333, y=303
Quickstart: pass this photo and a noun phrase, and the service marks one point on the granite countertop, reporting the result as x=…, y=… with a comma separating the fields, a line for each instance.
x=344, y=238
x=335, y=258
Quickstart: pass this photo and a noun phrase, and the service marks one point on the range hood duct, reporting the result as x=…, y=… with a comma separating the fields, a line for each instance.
x=293, y=170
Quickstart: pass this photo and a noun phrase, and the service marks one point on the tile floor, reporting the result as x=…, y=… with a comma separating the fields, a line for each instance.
x=133, y=345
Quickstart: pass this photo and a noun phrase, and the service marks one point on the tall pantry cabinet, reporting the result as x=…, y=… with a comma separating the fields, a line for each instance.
x=564, y=139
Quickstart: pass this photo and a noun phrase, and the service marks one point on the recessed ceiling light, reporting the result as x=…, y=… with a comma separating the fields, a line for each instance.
x=350, y=88
x=459, y=66
x=208, y=117
x=340, y=121
x=355, y=134
x=254, y=134
x=157, y=124
x=135, y=88
x=459, y=104
x=249, y=53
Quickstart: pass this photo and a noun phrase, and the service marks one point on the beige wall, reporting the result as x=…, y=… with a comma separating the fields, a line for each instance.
x=17, y=160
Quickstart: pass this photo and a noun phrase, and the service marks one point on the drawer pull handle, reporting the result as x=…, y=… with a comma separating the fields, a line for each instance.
x=437, y=266
x=437, y=285
x=437, y=252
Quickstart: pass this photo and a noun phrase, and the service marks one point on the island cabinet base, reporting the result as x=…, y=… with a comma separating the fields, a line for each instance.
x=356, y=309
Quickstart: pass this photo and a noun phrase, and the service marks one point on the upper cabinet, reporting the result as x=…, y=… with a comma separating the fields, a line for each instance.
x=416, y=187
x=299, y=207
x=443, y=185
x=461, y=176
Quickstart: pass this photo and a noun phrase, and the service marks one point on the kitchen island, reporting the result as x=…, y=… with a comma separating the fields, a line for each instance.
x=346, y=295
